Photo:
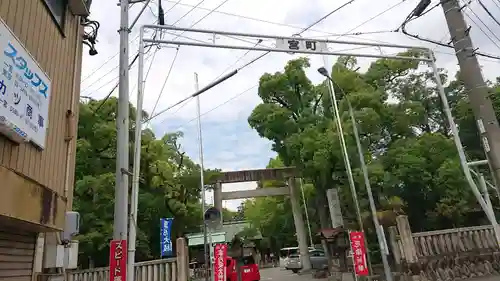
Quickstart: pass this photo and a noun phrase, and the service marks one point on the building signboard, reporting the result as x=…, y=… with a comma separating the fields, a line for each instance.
x=24, y=92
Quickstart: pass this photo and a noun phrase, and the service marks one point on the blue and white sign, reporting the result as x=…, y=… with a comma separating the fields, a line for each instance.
x=24, y=91
x=165, y=236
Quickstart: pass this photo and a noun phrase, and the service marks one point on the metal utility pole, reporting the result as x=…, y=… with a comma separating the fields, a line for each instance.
x=122, y=127
x=379, y=230
x=345, y=156
x=202, y=180
x=478, y=93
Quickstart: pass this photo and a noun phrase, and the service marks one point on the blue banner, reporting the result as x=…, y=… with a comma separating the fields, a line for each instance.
x=165, y=236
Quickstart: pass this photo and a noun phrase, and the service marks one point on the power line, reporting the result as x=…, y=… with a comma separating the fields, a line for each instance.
x=165, y=81
x=102, y=76
x=137, y=55
x=218, y=106
x=137, y=37
x=186, y=100
x=415, y=14
x=488, y=11
x=262, y=55
x=326, y=16
x=482, y=30
x=103, y=101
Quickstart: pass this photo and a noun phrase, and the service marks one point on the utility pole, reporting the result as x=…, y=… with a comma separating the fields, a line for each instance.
x=477, y=90
x=122, y=127
x=202, y=180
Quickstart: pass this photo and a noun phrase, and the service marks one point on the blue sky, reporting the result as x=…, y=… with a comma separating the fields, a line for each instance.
x=229, y=143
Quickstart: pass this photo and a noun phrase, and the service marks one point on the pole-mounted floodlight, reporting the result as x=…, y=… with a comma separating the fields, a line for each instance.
x=378, y=228
x=323, y=72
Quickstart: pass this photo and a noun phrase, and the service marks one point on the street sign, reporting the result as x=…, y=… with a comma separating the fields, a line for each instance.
x=299, y=44
x=118, y=260
x=220, y=256
x=358, y=249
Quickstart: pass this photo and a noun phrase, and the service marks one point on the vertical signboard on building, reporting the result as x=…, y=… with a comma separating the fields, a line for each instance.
x=118, y=260
x=358, y=249
x=220, y=256
x=165, y=236
x=24, y=92
x=334, y=206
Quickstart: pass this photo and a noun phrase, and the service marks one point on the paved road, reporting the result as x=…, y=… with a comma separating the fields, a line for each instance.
x=277, y=274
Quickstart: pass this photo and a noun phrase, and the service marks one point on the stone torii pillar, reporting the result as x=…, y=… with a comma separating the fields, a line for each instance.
x=218, y=196
x=299, y=225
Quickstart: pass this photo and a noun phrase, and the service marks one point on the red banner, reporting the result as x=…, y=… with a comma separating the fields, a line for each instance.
x=358, y=253
x=220, y=256
x=118, y=260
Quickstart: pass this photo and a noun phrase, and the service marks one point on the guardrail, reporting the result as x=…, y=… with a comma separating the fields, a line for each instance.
x=156, y=270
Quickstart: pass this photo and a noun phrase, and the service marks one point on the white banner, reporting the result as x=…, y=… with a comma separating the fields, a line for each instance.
x=24, y=90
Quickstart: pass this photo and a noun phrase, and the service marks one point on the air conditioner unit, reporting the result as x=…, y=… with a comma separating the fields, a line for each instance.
x=53, y=256
x=79, y=7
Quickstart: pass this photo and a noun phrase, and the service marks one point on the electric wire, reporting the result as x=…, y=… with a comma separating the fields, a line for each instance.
x=137, y=37
x=412, y=17
x=186, y=100
x=497, y=3
x=103, y=101
x=165, y=81
x=488, y=11
x=262, y=55
x=156, y=32
x=102, y=76
x=481, y=29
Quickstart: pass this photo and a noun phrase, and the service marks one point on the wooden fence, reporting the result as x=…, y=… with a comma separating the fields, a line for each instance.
x=172, y=269
x=444, y=255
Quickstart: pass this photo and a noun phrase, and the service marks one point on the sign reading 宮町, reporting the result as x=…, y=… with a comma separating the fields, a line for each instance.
x=118, y=260
x=358, y=253
x=220, y=255
x=24, y=91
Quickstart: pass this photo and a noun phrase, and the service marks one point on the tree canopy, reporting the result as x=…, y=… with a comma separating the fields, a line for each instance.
x=169, y=185
x=412, y=160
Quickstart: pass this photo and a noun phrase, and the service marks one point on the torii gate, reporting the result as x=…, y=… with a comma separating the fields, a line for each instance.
x=287, y=174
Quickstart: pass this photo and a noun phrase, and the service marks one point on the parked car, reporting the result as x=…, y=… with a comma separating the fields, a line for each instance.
x=317, y=257
x=249, y=271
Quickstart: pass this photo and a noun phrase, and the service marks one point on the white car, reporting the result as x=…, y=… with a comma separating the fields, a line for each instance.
x=317, y=258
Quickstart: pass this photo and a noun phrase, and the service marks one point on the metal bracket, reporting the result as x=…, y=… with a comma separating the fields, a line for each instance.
x=126, y=172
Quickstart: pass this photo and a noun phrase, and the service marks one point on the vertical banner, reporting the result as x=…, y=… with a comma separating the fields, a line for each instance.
x=358, y=253
x=220, y=256
x=118, y=260
x=165, y=236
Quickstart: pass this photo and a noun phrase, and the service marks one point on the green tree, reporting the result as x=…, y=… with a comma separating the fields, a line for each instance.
x=169, y=185
x=412, y=161
x=272, y=216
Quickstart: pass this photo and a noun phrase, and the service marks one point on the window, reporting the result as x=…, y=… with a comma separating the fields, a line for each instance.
x=58, y=10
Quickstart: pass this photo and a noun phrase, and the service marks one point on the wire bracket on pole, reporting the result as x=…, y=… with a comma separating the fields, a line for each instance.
x=126, y=172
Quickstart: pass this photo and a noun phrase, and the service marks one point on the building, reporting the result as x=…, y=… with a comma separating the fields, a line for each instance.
x=225, y=234
x=40, y=67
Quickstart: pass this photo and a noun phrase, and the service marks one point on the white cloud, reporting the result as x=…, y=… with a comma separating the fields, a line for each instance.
x=229, y=143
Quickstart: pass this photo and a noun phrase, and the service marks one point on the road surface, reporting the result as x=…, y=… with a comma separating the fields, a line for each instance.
x=277, y=274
